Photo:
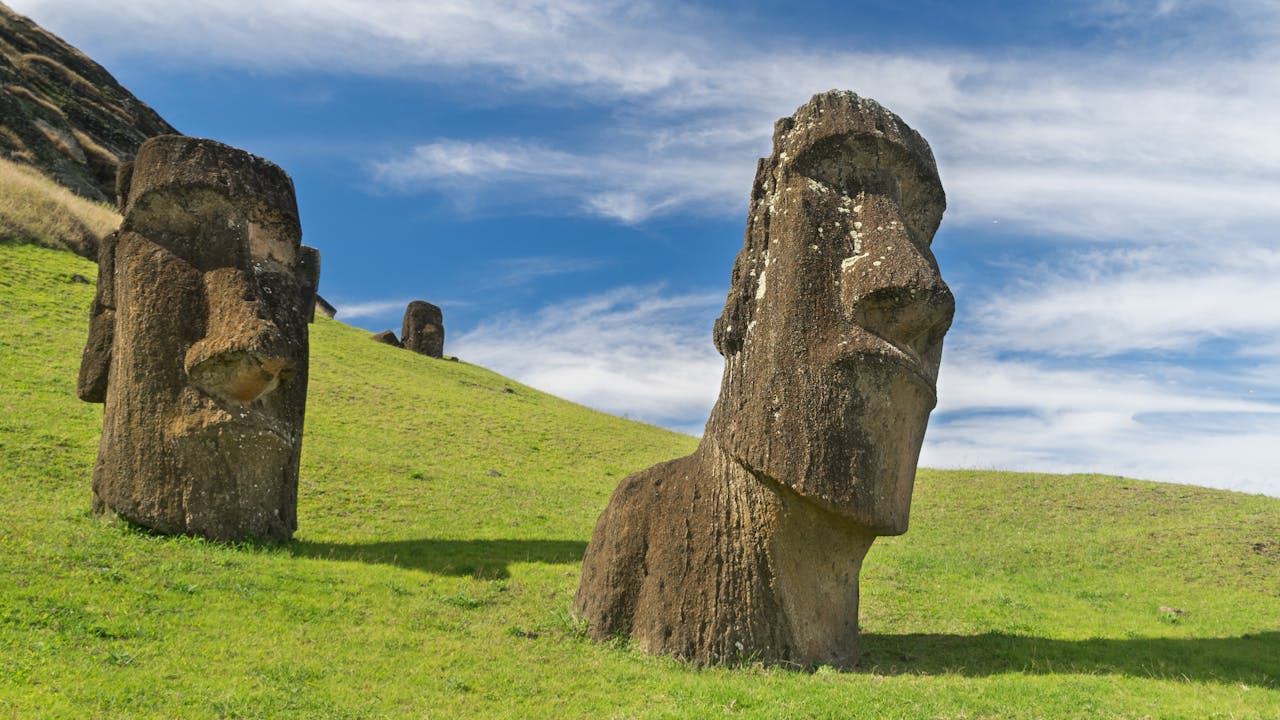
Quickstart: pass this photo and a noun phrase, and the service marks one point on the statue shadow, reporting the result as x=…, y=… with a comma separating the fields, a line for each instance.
x=489, y=559
x=1250, y=659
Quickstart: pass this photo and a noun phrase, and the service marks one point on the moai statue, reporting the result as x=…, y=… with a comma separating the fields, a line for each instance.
x=198, y=345
x=832, y=335
x=386, y=337
x=423, y=329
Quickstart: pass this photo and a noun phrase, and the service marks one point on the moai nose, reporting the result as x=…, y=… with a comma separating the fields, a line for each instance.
x=243, y=355
x=900, y=296
x=242, y=376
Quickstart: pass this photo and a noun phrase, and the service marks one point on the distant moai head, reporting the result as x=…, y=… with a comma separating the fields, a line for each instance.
x=198, y=344
x=832, y=332
x=423, y=329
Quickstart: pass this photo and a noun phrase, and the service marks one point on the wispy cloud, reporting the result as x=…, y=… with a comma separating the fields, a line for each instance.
x=1142, y=421
x=635, y=351
x=371, y=308
x=621, y=186
x=523, y=270
x=1111, y=303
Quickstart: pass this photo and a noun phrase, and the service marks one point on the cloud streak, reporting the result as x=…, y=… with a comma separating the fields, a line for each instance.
x=636, y=351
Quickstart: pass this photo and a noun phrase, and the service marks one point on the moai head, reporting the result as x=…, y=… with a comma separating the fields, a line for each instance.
x=832, y=332
x=198, y=344
x=423, y=329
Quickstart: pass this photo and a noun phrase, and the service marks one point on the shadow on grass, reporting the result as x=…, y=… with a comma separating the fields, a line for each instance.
x=1250, y=659
x=479, y=558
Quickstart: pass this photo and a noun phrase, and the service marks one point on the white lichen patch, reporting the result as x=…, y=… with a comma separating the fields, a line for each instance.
x=760, y=286
x=857, y=224
x=858, y=253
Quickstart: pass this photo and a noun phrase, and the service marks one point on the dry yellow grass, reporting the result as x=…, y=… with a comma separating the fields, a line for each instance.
x=35, y=209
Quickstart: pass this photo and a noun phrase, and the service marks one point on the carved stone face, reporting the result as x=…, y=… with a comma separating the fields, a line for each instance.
x=833, y=330
x=205, y=293
x=423, y=329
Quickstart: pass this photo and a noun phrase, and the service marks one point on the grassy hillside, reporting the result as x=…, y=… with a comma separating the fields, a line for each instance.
x=444, y=511
x=35, y=209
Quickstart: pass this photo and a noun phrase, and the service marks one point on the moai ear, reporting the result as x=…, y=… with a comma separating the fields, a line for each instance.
x=124, y=176
x=307, y=270
x=95, y=363
x=731, y=327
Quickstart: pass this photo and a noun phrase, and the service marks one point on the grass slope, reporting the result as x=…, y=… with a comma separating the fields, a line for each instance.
x=35, y=209
x=444, y=511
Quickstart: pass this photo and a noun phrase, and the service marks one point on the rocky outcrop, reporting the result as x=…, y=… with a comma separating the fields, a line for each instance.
x=832, y=333
x=63, y=113
x=198, y=345
x=423, y=329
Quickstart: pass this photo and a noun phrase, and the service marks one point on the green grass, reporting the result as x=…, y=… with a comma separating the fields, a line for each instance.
x=442, y=523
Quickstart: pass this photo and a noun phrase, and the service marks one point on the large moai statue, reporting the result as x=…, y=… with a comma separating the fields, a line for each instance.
x=423, y=329
x=832, y=335
x=198, y=344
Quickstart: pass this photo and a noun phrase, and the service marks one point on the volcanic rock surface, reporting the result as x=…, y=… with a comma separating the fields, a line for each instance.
x=832, y=333
x=198, y=345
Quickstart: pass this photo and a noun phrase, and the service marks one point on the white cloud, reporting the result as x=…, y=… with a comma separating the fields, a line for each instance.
x=487, y=163
x=1112, y=308
x=970, y=383
x=635, y=351
x=522, y=270
x=1140, y=422
x=1116, y=444
x=622, y=186
x=371, y=308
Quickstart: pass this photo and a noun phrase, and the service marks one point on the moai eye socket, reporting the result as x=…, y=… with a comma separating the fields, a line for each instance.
x=861, y=163
x=266, y=243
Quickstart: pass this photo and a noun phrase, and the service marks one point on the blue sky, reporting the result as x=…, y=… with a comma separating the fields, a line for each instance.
x=568, y=180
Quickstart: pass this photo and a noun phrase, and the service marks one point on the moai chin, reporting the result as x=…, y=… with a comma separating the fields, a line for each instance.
x=832, y=335
x=198, y=344
x=423, y=329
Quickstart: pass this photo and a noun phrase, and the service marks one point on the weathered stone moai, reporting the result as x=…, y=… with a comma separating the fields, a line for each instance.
x=386, y=337
x=832, y=335
x=198, y=344
x=423, y=329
